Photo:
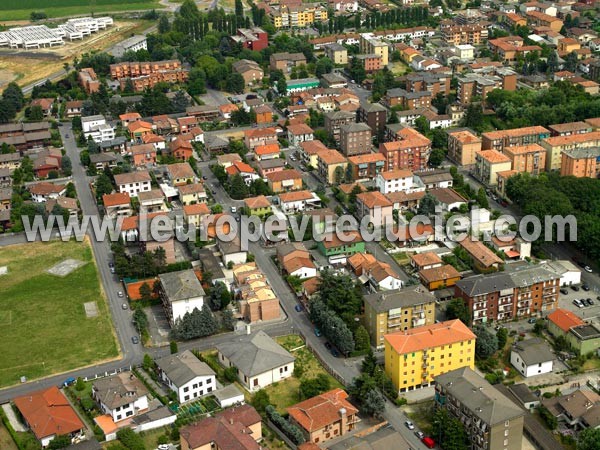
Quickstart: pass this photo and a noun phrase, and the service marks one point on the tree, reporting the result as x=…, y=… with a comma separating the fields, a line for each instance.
x=373, y=404
x=180, y=102
x=369, y=363
x=66, y=166
x=148, y=362
x=71, y=192
x=502, y=337
x=393, y=117
x=338, y=175
x=482, y=199
x=260, y=401
x=436, y=157
x=357, y=71
x=61, y=441
x=238, y=188
x=227, y=319
x=486, y=343
x=474, y=116
x=427, y=205
x=314, y=386
x=79, y=384
x=163, y=24
x=589, y=439
x=235, y=83
x=282, y=86
x=230, y=374
x=197, y=81
x=361, y=338
x=103, y=185
x=239, y=8
x=457, y=309
x=35, y=113
x=422, y=125
x=219, y=296
x=324, y=65
x=145, y=291
x=173, y=347
x=140, y=320
x=450, y=431
x=130, y=439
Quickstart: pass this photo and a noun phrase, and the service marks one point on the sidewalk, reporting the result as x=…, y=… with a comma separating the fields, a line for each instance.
x=12, y=418
x=160, y=390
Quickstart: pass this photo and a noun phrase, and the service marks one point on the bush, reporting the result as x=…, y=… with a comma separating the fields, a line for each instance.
x=548, y=418
x=80, y=384
x=173, y=346
x=291, y=431
x=130, y=439
x=230, y=374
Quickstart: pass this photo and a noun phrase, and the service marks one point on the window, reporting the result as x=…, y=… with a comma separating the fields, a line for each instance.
x=195, y=386
x=255, y=382
x=118, y=416
x=186, y=389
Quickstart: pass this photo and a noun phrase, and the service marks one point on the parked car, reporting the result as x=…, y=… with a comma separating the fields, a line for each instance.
x=589, y=301
x=585, y=287
x=588, y=269
x=317, y=332
x=135, y=340
x=564, y=291
x=205, y=178
x=164, y=447
x=335, y=353
x=111, y=264
x=575, y=288
x=532, y=320
x=419, y=434
x=120, y=294
x=429, y=443
x=298, y=308
x=69, y=381
x=113, y=270
x=124, y=306
x=233, y=209
x=409, y=425
x=328, y=346
x=576, y=302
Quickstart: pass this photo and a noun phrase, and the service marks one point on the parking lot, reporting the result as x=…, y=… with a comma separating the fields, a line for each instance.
x=587, y=312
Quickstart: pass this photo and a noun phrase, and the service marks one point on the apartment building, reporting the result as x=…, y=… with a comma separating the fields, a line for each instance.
x=372, y=45
x=491, y=420
x=89, y=80
x=254, y=38
x=510, y=48
x=133, y=183
x=147, y=74
x=510, y=294
x=407, y=100
x=284, y=61
x=571, y=128
x=335, y=119
x=298, y=15
x=475, y=85
x=390, y=311
x=355, y=139
x=374, y=115
x=473, y=34
x=376, y=207
x=556, y=145
x=463, y=146
x=250, y=71
x=414, y=358
x=367, y=166
x=409, y=151
x=436, y=83
x=498, y=140
x=331, y=165
x=337, y=53
x=540, y=19
x=580, y=162
x=371, y=62
x=527, y=158
x=260, y=136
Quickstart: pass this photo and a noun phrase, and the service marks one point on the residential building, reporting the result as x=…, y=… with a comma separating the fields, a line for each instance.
x=259, y=136
x=232, y=251
x=569, y=129
x=195, y=214
x=580, y=162
x=325, y=416
x=532, y=357
x=295, y=260
x=244, y=170
x=259, y=360
x=397, y=180
x=337, y=53
x=138, y=129
x=299, y=133
x=331, y=165
x=145, y=75
x=254, y=38
x=258, y=206
x=482, y=257
x=133, y=183
x=374, y=115
x=498, y=140
x=439, y=277
x=44, y=191
x=494, y=421
x=448, y=199
x=582, y=337
x=258, y=302
x=266, y=152
x=191, y=194
x=425, y=260
x=298, y=201
x=186, y=375
x=88, y=80
x=510, y=48
x=385, y=437
x=414, y=358
x=463, y=145
x=375, y=206
x=234, y=428
x=249, y=70
x=95, y=127
x=355, y=139
x=436, y=83
x=475, y=85
x=309, y=151
x=117, y=204
x=25, y=135
x=284, y=180
x=371, y=45
x=285, y=61
x=48, y=414
x=121, y=396
x=132, y=44
x=367, y=166
x=180, y=149
x=181, y=293
x=579, y=409
x=143, y=155
x=381, y=277
x=529, y=158
x=407, y=100
x=333, y=81
x=487, y=165
x=474, y=34
x=335, y=119
x=301, y=85
x=299, y=14
x=370, y=62
x=557, y=145
x=228, y=159
x=264, y=114
x=409, y=149
x=398, y=310
x=336, y=249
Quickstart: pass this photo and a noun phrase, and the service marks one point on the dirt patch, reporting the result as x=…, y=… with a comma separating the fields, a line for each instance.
x=64, y=268
x=3, y=270
x=91, y=309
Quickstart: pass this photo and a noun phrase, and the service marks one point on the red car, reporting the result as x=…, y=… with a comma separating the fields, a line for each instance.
x=429, y=443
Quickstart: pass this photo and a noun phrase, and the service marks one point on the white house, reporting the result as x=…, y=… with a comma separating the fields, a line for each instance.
x=229, y=395
x=299, y=133
x=232, y=252
x=132, y=44
x=297, y=201
x=569, y=273
x=43, y=191
x=259, y=360
x=382, y=277
x=133, y=183
x=97, y=128
x=181, y=293
x=121, y=396
x=532, y=357
x=464, y=51
x=399, y=180
x=186, y=375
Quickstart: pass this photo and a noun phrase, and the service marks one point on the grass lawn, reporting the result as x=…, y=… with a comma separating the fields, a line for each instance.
x=401, y=258
x=6, y=440
x=43, y=326
x=591, y=364
x=21, y=9
x=286, y=393
x=399, y=68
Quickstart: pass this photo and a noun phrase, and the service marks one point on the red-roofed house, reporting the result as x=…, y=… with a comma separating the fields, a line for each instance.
x=117, y=204
x=376, y=206
x=259, y=136
x=268, y=151
x=44, y=103
x=285, y=180
x=181, y=149
x=139, y=128
x=48, y=414
x=247, y=172
x=561, y=321
x=325, y=416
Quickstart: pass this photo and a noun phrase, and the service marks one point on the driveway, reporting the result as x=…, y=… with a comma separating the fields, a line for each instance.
x=158, y=326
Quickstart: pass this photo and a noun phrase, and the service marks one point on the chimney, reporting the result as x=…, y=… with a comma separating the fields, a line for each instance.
x=231, y=421
x=344, y=420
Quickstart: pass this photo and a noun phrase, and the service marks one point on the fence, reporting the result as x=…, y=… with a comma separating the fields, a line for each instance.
x=108, y=374
x=281, y=435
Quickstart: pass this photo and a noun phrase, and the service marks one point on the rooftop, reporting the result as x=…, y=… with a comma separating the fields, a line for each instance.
x=181, y=285
x=429, y=336
x=533, y=351
x=317, y=412
x=401, y=298
x=183, y=367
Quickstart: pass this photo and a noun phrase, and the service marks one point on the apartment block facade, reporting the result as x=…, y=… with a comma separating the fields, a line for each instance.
x=498, y=140
x=462, y=147
x=355, y=139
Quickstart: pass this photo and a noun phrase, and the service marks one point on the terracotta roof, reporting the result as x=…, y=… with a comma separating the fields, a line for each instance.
x=480, y=252
x=426, y=259
x=295, y=196
x=311, y=285
x=524, y=149
x=152, y=138
x=324, y=409
x=179, y=143
x=372, y=199
x=334, y=241
x=130, y=116
x=447, y=196
x=330, y=156
x=493, y=156
x=429, y=336
x=300, y=128
x=192, y=188
x=142, y=148
x=293, y=264
x=366, y=158
x=45, y=188
x=361, y=260
x=239, y=167
x=199, y=209
x=228, y=158
x=564, y=319
x=439, y=273
x=282, y=175
x=465, y=137
x=347, y=188
x=181, y=170
x=257, y=202
x=115, y=199
x=267, y=149
x=132, y=177
x=395, y=174
x=187, y=121
x=48, y=412
x=524, y=131
x=260, y=132
x=312, y=147
x=573, y=139
x=132, y=127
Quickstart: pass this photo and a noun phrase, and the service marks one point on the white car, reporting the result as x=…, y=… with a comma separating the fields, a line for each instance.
x=588, y=269
x=164, y=447
x=409, y=425
x=233, y=209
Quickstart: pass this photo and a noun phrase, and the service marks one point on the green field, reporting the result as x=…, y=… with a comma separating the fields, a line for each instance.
x=43, y=325
x=21, y=9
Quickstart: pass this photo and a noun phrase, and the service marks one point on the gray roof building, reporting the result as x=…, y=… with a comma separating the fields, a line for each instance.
x=485, y=284
x=533, y=351
x=255, y=354
x=355, y=127
x=181, y=285
x=478, y=396
x=401, y=298
x=119, y=390
x=183, y=367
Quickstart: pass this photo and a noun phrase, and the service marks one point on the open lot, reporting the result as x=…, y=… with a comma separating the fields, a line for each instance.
x=29, y=66
x=6, y=441
x=44, y=328
x=21, y=9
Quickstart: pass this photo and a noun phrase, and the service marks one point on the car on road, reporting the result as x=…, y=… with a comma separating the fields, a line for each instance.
x=69, y=381
x=575, y=288
x=317, y=332
x=164, y=447
x=214, y=192
x=292, y=158
x=120, y=294
x=588, y=269
x=111, y=264
x=298, y=308
x=335, y=353
x=205, y=178
x=124, y=306
x=233, y=209
x=585, y=287
x=113, y=270
x=532, y=320
x=67, y=135
x=429, y=443
x=564, y=291
x=409, y=425
x=419, y=434
x=135, y=340
x=328, y=346
x=589, y=301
